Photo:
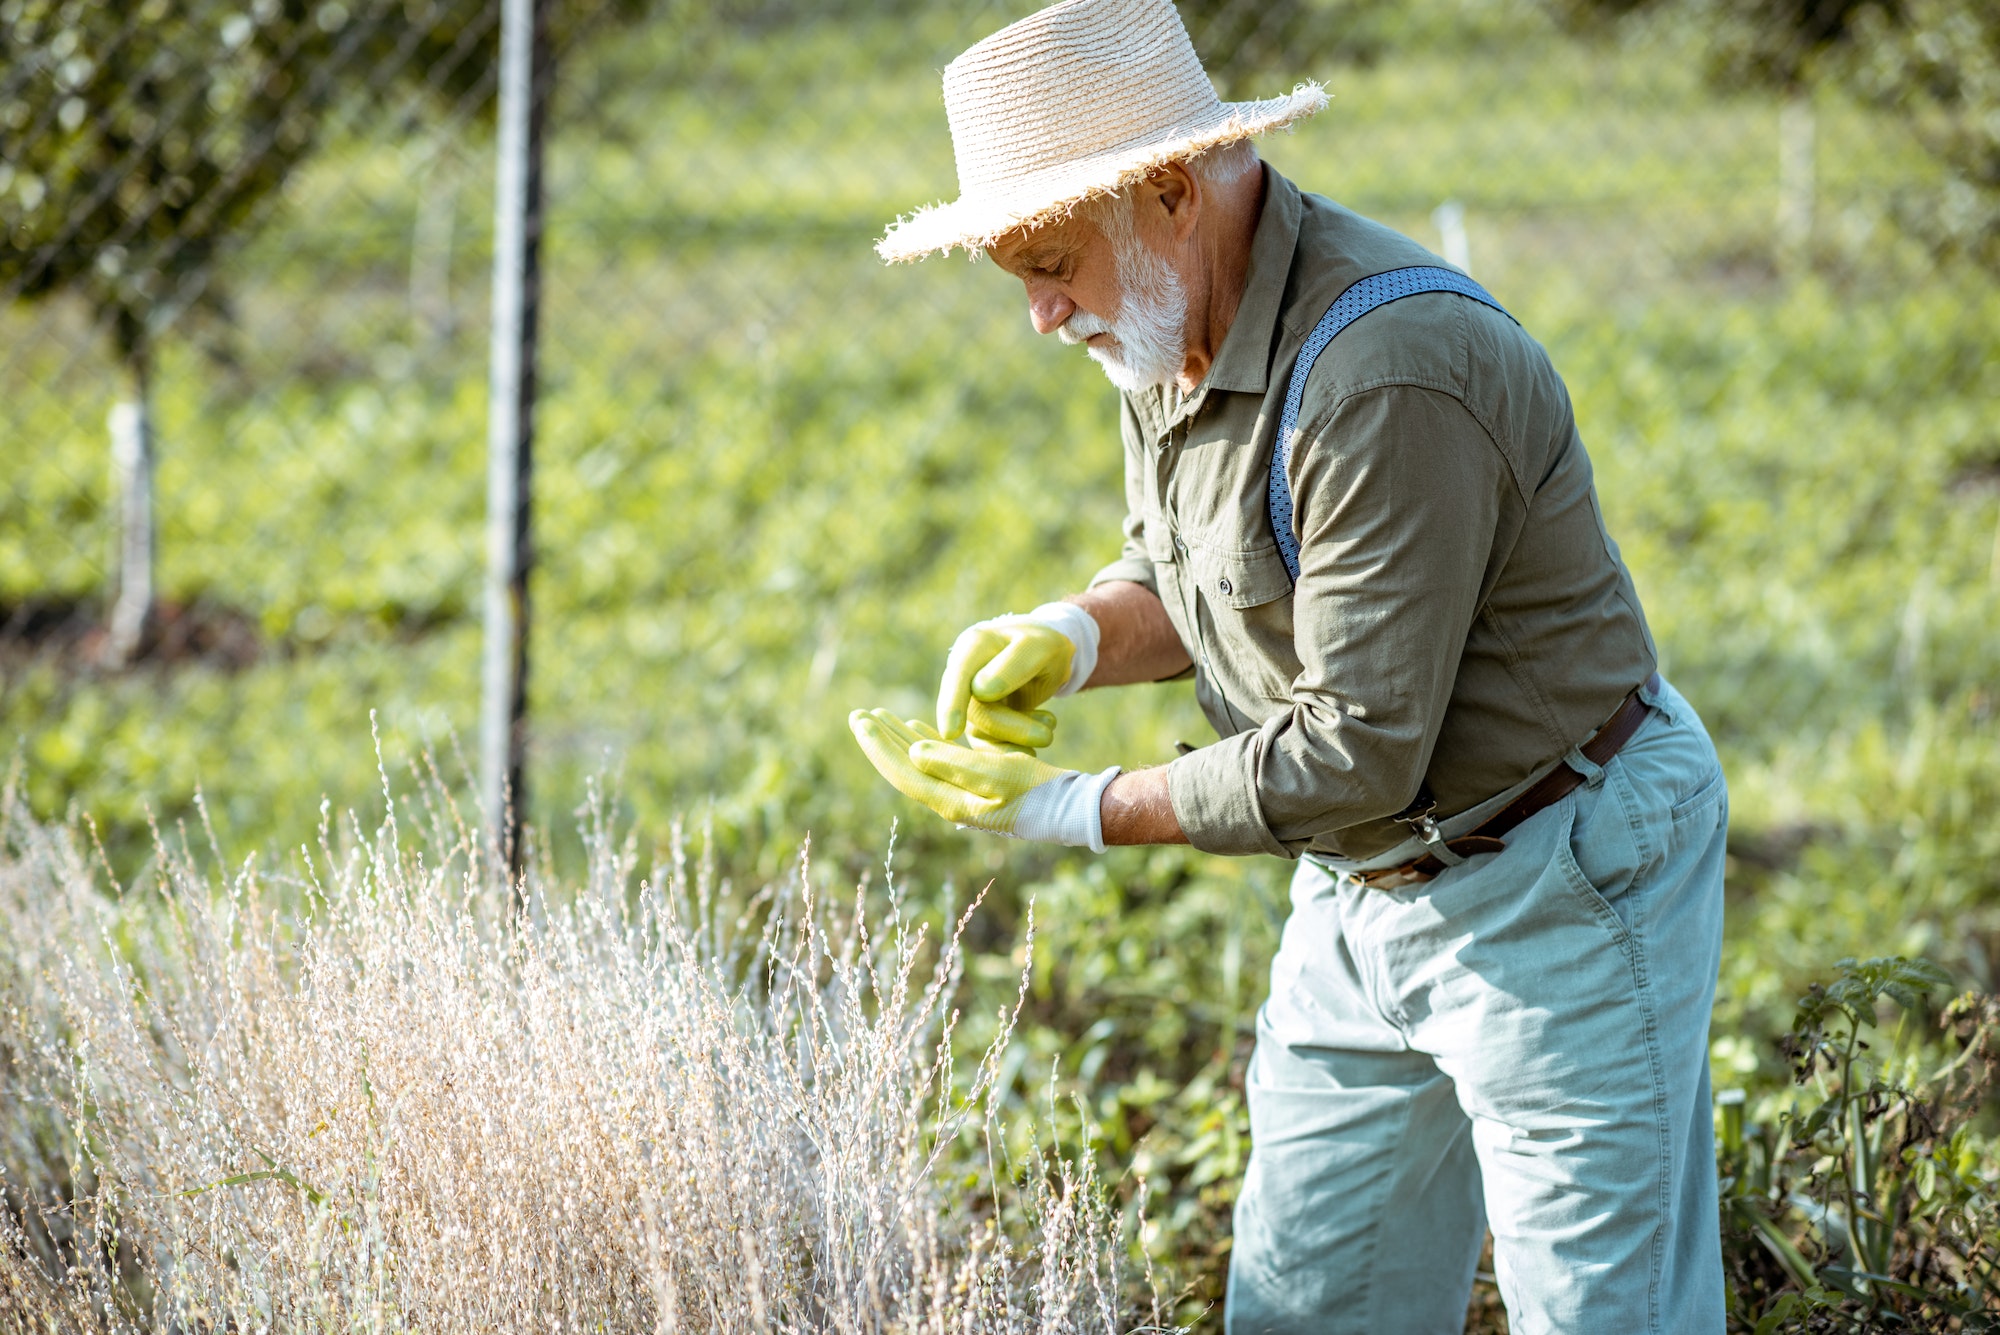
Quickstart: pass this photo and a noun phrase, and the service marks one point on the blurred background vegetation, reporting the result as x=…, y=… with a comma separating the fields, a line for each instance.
x=775, y=478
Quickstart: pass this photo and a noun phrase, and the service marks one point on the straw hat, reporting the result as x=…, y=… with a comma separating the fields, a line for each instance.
x=1078, y=100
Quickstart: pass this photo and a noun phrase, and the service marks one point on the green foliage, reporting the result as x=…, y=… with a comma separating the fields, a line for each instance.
x=1769, y=43
x=1256, y=48
x=138, y=140
x=1148, y=968
x=1937, y=62
x=1866, y=1200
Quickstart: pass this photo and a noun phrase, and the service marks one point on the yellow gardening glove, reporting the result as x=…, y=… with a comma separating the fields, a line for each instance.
x=999, y=671
x=979, y=788
x=998, y=728
x=1003, y=792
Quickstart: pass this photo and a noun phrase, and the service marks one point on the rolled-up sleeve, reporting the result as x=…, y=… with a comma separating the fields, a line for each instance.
x=1397, y=493
x=1133, y=562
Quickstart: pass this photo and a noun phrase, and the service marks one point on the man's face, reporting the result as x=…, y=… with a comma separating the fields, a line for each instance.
x=1118, y=298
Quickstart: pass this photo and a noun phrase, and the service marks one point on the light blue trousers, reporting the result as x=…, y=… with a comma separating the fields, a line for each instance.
x=1521, y=1044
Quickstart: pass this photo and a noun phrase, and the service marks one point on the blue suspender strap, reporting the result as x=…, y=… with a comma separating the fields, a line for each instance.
x=1349, y=306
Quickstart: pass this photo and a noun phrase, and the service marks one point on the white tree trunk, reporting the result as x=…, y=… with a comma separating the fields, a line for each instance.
x=132, y=475
x=1796, y=171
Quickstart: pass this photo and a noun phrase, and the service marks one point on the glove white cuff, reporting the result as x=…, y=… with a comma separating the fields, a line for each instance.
x=1066, y=810
x=1073, y=624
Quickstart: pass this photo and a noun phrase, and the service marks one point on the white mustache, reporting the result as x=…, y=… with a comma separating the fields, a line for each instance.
x=1080, y=326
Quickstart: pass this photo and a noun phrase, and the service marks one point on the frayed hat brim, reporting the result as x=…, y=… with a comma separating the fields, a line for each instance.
x=1048, y=196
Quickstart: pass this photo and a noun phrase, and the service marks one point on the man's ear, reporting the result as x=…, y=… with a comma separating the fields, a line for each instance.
x=1175, y=192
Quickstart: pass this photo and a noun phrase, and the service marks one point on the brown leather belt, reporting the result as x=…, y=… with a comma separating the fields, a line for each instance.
x=1551, y=788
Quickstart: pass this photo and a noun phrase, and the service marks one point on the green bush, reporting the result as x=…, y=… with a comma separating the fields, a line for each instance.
x=1864, y=1198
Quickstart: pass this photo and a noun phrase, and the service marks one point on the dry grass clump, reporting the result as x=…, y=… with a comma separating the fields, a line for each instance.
x=367, y=1098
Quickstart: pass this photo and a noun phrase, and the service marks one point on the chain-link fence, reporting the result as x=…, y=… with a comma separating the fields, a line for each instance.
x=243, y=360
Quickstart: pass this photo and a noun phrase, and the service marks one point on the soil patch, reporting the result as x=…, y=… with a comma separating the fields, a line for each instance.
x=70, y=632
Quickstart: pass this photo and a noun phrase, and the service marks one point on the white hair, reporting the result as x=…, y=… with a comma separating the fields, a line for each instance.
x=1223, y=165
x=1149, y=337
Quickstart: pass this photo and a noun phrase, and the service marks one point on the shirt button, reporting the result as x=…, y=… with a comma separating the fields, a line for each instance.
x=1223, y=585
x=1180, y=544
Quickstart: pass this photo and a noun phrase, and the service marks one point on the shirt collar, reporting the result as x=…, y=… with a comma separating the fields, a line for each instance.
x=1243, y=363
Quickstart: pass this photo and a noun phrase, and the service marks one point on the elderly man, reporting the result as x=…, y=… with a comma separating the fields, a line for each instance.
x=1362, y=518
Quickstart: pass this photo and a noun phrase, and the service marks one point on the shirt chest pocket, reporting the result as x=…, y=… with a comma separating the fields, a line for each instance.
x=1243, y=606
x=1238, y=580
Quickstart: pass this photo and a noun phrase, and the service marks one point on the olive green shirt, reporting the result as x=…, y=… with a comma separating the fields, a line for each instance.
x=1461, y=614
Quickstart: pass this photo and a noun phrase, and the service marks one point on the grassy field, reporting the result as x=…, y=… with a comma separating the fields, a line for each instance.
x=775, y=478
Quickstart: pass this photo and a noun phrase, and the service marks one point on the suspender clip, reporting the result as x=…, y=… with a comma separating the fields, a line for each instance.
x=1421, y=816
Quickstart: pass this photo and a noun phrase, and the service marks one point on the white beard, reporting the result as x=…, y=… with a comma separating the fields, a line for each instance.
x=1149, y=338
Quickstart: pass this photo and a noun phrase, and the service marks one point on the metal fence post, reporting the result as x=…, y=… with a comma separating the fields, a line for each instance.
x=525, y=69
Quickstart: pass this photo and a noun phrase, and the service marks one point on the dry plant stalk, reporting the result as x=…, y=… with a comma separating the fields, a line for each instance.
x=368, y=1099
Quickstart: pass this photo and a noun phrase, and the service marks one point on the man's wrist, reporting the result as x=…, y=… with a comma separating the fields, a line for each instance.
x=1138, y=639
x=1136, y=808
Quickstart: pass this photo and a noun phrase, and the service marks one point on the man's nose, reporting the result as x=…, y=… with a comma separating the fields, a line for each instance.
x=1048, y=307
